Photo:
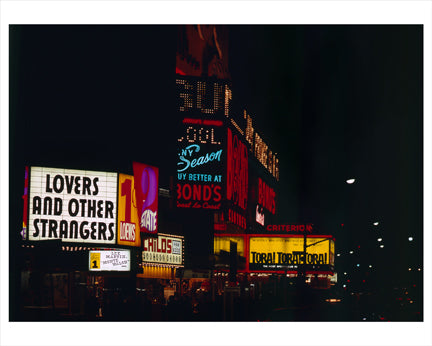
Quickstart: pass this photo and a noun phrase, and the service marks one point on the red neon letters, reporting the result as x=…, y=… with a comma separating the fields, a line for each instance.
x=237, y=171
x=266, y=196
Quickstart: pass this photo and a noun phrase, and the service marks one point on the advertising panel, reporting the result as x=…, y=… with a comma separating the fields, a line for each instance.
x=72, y=205
x=165, y=249
x=127, y=221
x=200, y=165
x=109, y=260
x=147, y=189
x=286, y=253
x=237, y=180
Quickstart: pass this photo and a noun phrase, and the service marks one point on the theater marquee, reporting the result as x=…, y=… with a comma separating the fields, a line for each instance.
x=286, y=253
x=72, y=205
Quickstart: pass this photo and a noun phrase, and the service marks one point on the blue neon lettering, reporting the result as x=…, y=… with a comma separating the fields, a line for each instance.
x=185, y=163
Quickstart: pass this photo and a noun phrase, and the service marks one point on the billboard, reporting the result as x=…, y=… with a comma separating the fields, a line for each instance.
x=200, y=165
x=147, y=189
x=109, y=260
x=165, y=249
x=272, y=253
x=72, y=205
x=127, y=221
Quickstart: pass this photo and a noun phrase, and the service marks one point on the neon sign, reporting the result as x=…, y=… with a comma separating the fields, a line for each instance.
x=237, y=171
x=266, y=196
x=187, y=153
x=290, y=228
x=199, y=196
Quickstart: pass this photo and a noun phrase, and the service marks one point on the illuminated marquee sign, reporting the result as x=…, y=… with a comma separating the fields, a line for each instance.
x=147, y=189
x=266, y=196
x=127, y=221
x=285, y=253
x=72, y=205
x=203, y=97
x=165, y=249
x=109, y=260
x=260, y=149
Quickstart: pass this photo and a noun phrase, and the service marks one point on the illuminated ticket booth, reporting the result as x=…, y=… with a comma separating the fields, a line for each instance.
x=162, y=256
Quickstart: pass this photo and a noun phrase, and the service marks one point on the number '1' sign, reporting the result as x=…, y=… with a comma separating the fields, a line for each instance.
x=128, y=222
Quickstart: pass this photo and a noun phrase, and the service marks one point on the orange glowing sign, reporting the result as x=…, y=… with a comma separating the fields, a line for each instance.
x=127, y=221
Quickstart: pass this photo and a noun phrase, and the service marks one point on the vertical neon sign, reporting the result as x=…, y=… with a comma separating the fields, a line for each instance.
x=146, y=179
x=237, y=179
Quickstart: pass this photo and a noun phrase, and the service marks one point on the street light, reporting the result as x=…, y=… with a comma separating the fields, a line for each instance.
x=410, y=238
x=379, y=239
x=350, y=181
x=376, y=223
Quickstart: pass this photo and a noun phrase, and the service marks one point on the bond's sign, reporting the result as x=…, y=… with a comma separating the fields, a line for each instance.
x=72, y=205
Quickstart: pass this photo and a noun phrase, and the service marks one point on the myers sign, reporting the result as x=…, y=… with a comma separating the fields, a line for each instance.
x=72, y=205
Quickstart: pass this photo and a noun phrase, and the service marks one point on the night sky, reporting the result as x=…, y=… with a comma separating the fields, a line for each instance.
x=335, y=102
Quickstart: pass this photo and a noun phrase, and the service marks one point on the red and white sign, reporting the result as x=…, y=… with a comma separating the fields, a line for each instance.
x=146, y=188
x=163, y=249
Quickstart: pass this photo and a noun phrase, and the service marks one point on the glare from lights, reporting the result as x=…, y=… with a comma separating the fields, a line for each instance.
x=351, y=252
x=409, y=269
x=358, y=264
x=350, y=181
x=344, y=286
x=376, y=223
x=381, y=246
x=370, y=265
x=345, y=273
x=338, y=254
x=419, y=269
x=410, y=239
x=379, y=239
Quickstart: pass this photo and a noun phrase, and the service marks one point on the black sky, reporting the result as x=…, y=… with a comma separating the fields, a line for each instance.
x=335, y=102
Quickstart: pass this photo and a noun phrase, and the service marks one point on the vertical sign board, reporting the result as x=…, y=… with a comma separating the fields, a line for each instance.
x=72, y=205
x=237, y=180
x=147, y=189
x=109, y=260
x=127, y=221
